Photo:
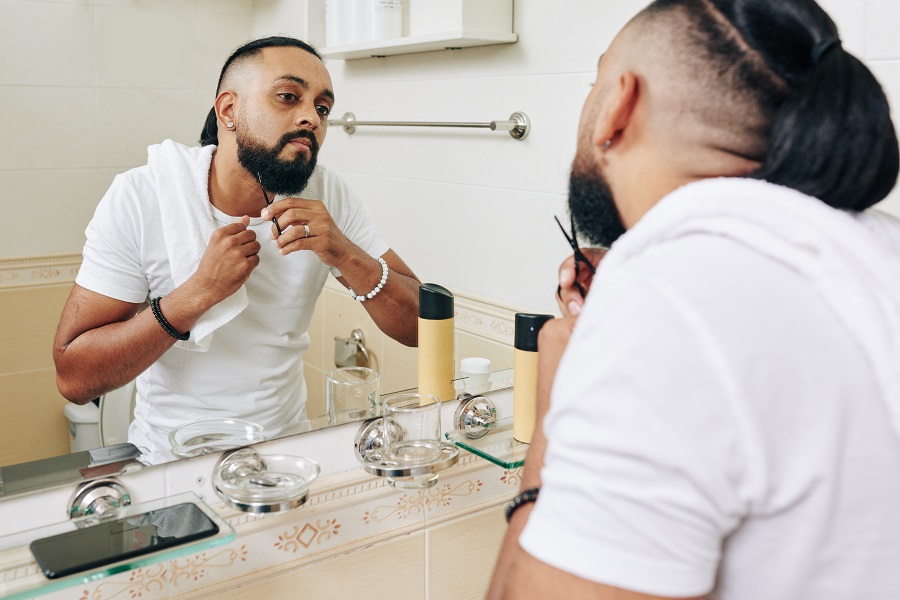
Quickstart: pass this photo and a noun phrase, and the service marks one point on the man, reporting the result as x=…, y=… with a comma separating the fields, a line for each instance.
x=724, y=419
x=232, y=282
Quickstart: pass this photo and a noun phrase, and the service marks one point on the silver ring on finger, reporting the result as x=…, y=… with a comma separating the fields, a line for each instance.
x=305, y=230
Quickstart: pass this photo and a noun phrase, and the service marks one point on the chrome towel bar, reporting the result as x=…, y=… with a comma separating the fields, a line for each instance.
x=517, y=125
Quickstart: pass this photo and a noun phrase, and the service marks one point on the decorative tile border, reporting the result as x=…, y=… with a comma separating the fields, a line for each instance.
x=360, y=512
x=36, y=271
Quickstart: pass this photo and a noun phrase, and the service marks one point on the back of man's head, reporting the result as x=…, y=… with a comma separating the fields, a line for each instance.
x=240, y=58
x=769, y=81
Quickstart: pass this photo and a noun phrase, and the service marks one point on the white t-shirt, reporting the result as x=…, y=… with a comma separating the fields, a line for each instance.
x=713, y=427
x=254, y=366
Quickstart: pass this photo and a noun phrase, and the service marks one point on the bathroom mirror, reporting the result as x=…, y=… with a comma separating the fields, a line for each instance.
x=87, y=87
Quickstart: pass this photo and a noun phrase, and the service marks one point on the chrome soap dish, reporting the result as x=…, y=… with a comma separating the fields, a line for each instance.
x=257, y=483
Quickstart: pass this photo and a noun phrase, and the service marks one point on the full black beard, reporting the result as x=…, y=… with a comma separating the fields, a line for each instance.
x=285, y=177
x=593, y=209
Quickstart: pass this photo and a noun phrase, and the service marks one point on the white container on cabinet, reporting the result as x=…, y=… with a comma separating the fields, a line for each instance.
x=387, y=19
x=438, y=25
x=440, y=16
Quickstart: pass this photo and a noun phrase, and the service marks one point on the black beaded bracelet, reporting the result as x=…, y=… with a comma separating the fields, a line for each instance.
x=523, y=497
x=157, y=312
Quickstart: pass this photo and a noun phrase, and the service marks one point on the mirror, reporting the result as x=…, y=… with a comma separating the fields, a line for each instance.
x=87, y=87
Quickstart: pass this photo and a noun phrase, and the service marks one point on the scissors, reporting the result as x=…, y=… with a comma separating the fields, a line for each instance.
x=579, y=255
x=274, y=220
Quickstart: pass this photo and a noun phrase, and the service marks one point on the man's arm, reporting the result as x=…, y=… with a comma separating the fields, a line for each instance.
x=395, y=308
x=531, y=578
x=517, y=574
x=103, y=343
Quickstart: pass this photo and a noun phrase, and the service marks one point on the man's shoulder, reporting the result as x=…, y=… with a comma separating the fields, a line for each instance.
x=328, y=186
x=134, y=185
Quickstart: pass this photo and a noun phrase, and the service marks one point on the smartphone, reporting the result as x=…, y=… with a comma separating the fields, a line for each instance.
x=111, y=541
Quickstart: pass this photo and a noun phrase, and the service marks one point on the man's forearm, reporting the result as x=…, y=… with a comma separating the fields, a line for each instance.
x=397, y=311
x=103, y=358
x=395, y=307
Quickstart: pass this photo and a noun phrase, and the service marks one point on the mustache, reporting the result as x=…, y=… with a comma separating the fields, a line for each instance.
x=296, y=135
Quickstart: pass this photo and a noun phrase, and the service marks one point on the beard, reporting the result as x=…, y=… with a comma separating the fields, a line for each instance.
x=592, y=206
x=284, y=177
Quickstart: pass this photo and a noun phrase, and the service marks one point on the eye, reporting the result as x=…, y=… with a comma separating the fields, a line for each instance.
x=288, y=97
x=323, y=110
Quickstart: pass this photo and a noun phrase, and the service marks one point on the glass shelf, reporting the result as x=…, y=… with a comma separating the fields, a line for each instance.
x=21, y=577
x=498, y=446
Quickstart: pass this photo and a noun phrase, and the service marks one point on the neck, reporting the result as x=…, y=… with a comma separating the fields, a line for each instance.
x=232, y=189
x=642, y=190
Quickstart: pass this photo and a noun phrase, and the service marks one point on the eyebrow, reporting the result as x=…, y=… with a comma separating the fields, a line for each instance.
x=304, y=84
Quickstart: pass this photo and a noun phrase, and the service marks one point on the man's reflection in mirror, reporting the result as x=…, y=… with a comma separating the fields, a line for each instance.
x=202, y=268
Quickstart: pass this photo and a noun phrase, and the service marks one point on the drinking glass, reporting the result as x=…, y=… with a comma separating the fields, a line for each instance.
x=412, y=436
x=352, y=394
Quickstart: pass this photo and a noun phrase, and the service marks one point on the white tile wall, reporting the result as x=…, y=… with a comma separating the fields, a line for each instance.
x=88, y=84
x=485, y=196
x=85, y=87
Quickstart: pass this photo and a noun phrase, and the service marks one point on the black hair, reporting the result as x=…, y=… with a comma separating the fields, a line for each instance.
x=210, y=132
x=831, y=134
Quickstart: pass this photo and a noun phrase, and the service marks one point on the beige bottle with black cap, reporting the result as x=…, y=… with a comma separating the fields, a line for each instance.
x=525, y=369
x=436, y=365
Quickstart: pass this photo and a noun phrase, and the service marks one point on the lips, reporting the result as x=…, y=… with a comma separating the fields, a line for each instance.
x=301, y=143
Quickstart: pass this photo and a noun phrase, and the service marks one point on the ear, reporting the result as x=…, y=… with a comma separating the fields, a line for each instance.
x=224, y=105
x=616, y=109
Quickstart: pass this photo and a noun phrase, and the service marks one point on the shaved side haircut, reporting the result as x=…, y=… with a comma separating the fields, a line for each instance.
x=238, y=59
x=770, y=81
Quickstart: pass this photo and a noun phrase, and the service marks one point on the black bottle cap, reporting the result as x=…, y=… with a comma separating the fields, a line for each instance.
x=527, y=328
x=435, y=302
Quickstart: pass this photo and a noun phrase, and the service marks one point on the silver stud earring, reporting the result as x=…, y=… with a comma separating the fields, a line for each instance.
x=606, y=144
x=229, y=125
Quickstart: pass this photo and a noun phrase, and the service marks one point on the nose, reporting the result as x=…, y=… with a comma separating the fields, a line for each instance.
x=308, y=116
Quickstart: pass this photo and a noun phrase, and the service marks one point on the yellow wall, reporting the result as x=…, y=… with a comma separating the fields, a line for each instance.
x=33, y=425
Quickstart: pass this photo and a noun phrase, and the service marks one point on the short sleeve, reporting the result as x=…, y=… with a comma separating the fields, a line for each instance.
x=111, y=263
x=640, y=474
x=347, y=209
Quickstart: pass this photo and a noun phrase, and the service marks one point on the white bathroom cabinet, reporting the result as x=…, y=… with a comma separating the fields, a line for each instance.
x=440, y=25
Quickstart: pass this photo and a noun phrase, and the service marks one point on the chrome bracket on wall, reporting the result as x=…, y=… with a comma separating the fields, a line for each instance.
x=99, y=497
x=475, y=416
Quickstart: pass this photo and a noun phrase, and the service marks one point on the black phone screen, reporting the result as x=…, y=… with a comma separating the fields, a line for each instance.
x=119, y=539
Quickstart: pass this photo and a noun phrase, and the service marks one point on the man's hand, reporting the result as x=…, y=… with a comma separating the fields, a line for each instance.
x=569, y=297
x=325, y=237
x=230, y=257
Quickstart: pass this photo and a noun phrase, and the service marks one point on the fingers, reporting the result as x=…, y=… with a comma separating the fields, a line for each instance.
x=567, y=272
x=570, y=301
x=234, y=228
x=300, y=208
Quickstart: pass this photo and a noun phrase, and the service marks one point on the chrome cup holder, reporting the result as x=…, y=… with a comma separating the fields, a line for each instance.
x=370, y=450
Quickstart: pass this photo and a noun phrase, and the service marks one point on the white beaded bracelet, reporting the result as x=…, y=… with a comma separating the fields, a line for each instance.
x=374, y=292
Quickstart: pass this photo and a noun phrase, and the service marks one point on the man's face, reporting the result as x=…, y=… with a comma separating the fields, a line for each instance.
x=591, y=200
x=284, y=118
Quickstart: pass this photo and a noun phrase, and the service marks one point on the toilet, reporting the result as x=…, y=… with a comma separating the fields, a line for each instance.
x=92, y=427
x=84, y=426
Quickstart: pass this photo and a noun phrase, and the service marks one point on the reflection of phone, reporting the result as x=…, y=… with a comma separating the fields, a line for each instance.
x=119, y=539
